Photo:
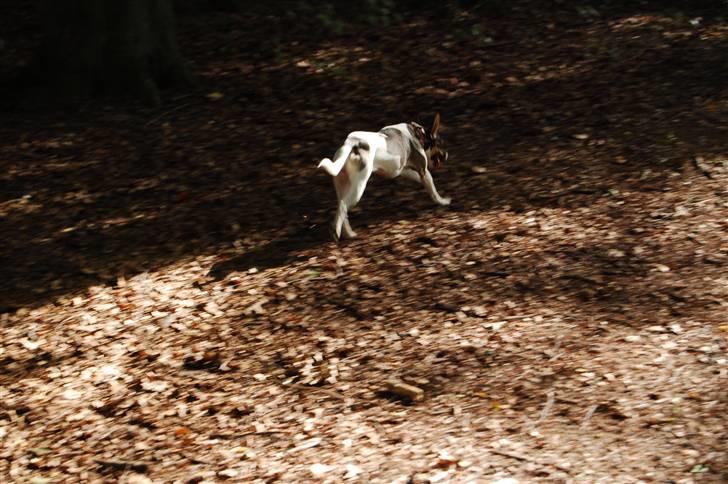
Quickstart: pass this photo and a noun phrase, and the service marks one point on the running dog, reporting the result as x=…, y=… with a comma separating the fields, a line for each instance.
x=404, y=149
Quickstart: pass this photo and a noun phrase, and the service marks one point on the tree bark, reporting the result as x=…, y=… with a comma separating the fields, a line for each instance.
x=108, y=47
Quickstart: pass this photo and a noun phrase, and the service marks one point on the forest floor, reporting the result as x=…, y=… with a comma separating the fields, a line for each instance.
x=174, y=309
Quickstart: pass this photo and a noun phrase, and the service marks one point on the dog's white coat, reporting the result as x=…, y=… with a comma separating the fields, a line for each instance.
x=353, y=165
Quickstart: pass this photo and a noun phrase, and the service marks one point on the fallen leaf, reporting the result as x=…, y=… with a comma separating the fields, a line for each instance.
x=30, y=345
x=439, y=477
x=154, y=386
x=182, y=432
x=319, y=470
x=352, y=471
x=41, y=450
x=445, y=460
x=229, y=473
x=256, y=308
x=306, y=445
x=72, y=394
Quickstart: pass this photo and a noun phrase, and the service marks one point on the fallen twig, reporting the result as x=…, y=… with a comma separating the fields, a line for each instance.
x=246, y=434
x=522, y=375
x=404, y=390
x=331, y=393
x=520, y=316
x=123, y=466
x=699, y=164
x=588, y=416
x=524, y=458
x=546, y=408
x=197, y=460
x=165, y=113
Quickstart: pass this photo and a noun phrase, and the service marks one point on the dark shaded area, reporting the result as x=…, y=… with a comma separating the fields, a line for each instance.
x=90, y=49
x=275, y=253
x=549, y=103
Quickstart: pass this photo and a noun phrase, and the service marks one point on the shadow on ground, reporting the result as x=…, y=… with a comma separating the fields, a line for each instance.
x=113, y=191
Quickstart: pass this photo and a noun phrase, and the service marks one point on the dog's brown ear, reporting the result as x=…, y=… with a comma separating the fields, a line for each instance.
x=435, y=125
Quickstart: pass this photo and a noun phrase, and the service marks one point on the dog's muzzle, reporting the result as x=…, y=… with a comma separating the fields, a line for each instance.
x=438, y=158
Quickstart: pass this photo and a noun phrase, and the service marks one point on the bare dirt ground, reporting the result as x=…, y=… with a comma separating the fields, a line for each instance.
x=173, y=309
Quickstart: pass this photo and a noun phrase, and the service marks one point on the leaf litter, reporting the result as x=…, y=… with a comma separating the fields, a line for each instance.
x=176, y=311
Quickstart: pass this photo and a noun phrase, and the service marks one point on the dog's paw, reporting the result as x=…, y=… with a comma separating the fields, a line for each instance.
x=445, y=201
x=334, y=235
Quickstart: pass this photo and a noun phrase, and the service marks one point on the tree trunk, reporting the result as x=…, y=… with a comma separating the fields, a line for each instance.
x=109, y=47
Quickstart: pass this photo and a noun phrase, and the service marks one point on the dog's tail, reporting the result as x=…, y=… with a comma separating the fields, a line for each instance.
x=350, y=147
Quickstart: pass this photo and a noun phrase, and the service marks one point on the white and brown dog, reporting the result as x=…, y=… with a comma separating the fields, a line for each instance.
x=405, y=149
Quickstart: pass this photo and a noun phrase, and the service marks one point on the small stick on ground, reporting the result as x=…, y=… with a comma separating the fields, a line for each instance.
x=546, y=408
x=404, y=390
x=118, y=465
x=165, y=113
x=331, y=393
x=197, y=460
x=246, y=434
x=518, y=316
x=588, y=416
x=524, y=458
x=699, y=164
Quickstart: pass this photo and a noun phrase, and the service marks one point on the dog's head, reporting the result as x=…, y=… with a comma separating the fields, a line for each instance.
x=436, y=147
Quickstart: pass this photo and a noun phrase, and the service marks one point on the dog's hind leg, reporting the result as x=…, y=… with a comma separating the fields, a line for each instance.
x=348, y=232
x=341, y=218
x=350, y=185
x=341, y=184
x=341, y=222
x=387, y=164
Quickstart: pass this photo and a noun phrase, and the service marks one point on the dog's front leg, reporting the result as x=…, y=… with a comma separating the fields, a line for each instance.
x=429, y=184
x=411, y=174
x=417, y=170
